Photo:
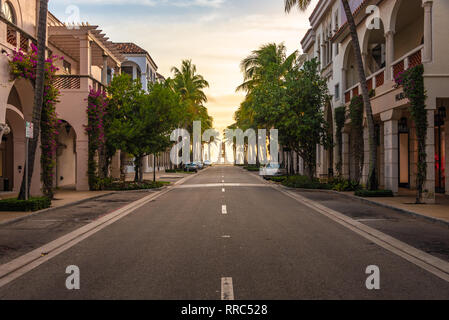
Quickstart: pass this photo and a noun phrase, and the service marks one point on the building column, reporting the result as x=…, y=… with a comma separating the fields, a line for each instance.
x=389, y=52
x=82, y=180
x=345, y=155
x=85, y=56
x=413, y=156
x=343, y=84
x=428, y=43
x=391, y=150
x=381, y=168
x=365, y=171
x=446, y=144
x=115, y=165
x=429, y=185
x=104, y=71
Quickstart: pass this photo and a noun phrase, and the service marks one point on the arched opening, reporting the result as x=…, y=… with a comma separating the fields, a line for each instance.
x=12, y=144
x=7, y=160
x=8, y=12
x=350, y=67
x=66, y=157
x=132, y=69
x=408, y=23
x=374, y=48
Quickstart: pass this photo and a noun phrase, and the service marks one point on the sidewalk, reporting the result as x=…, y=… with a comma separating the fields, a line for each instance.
x=406, y=201
x=64, y=197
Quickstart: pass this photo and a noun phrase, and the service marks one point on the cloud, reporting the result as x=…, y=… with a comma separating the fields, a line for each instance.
x=151, y=3
x=215, y=34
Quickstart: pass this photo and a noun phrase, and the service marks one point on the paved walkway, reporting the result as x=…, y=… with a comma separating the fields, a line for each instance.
x=406, y=201
x=65, y=197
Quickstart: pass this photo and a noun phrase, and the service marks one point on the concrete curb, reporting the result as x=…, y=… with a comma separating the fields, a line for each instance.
x=383, y=205
x=388, y=206
x=368, y=201
x=27, y=262
x=4, y=223
x=54, y=208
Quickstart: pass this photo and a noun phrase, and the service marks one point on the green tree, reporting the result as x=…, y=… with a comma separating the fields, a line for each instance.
x=140, y=123
x=301, y=121
x=126, y=98
x=191, y=85
x=302, y=5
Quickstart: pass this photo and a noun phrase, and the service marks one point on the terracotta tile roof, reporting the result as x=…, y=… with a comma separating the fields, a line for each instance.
x=130, y=48
x=345, y=25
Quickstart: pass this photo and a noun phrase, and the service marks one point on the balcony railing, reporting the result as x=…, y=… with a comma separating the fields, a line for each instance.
x=374, y=81
x=17, y=37
x=77, y=82
x=377, y=79
x=410, y=60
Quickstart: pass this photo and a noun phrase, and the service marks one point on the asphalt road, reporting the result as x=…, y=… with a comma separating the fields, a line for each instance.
x=181, y=246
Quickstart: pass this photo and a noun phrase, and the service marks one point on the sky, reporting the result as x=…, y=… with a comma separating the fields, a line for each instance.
x=215, y=34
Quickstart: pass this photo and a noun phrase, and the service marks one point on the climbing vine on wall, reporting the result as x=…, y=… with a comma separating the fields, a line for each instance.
x=23, y=66
x=97, y=103
x=356, y=116
x=412, y=81
x=340, y=119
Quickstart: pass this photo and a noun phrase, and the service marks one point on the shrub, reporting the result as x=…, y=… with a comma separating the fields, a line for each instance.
x=374, y=194
x=276, y=178
x=33, y=204
x=340, y=184
x=128, y=186
x=170, y=171
x=304, y=182
x=252, y=168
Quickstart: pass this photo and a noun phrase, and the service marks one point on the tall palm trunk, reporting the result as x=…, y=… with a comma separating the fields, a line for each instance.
x=38, y=95
x=372, y=177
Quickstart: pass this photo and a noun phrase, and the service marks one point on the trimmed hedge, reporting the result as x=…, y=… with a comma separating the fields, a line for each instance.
x=374, y=194
x=276, y=178
x=304, y=182
x=33, y=204
x=252, y=168
x=128, y=186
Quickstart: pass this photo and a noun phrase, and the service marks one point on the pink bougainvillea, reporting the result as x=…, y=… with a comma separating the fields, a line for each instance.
x=97, y=103
x=23, y=66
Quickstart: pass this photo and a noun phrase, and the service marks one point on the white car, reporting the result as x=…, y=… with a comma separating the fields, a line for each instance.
x=272, y=169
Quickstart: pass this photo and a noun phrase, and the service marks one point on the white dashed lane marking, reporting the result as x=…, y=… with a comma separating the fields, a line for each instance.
x=227, y=289
x=224, y=210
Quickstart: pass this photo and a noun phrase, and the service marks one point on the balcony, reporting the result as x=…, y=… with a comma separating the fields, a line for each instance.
x=16, y=38
x=374, y=81
x=378, y=79
x=71, y=83
x=410, y=60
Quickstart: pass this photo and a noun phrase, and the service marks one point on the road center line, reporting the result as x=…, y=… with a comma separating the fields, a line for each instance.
x=227, y=289
x=224, y=210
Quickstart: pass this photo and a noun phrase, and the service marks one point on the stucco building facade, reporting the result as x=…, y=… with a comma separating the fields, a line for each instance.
x=394, y=36
x=90, y=62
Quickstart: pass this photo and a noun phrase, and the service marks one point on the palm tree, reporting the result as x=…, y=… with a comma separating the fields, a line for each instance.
x=302, y=5
x=255, y=66
x=190, y=86
x=38, y=96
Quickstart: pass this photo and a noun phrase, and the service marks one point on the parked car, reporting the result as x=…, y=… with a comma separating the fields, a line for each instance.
x=200, y=165
x=207, y=163
x=191, y=167
x=272, y=170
